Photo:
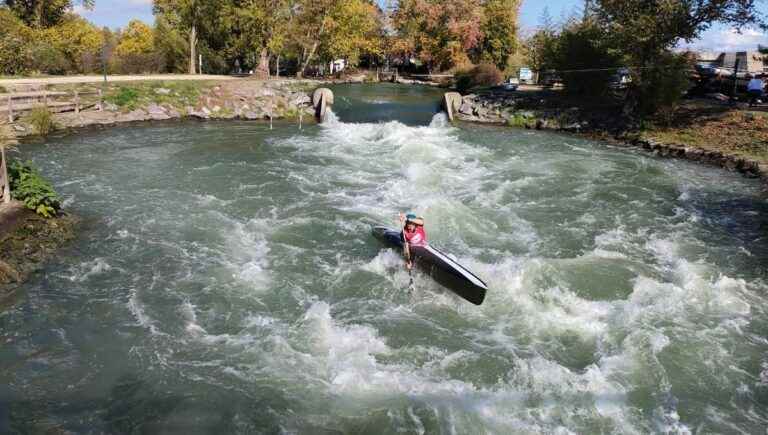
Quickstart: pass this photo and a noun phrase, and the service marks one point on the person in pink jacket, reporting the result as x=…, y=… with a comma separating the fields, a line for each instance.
x=413, y=234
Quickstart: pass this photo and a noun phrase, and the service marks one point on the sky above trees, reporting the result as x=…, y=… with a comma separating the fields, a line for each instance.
x=117, y=13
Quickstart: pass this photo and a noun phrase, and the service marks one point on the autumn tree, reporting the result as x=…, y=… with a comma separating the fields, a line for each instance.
x=135, y=50
x=43, y=13
x=499, y=32
x=78, y=40
x=441, y=33
x=354, y=29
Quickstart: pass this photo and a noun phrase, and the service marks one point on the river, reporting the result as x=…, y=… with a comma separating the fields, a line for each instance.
x=224, y=280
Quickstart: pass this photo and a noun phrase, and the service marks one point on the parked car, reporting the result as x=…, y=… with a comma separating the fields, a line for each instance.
x=525, y=75
x=550, y=78
x=621, y=79
x=511, y=84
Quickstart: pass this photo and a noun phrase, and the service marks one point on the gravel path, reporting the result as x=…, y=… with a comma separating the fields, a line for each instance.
x=113, y=78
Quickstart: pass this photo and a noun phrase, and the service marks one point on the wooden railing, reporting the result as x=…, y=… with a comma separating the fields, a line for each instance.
x=19, y=102
x=5, y=184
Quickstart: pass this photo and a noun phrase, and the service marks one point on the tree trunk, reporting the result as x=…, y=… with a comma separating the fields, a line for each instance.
x=262, y=70
x=277, y=66
x=192, y=47
x=314, y=47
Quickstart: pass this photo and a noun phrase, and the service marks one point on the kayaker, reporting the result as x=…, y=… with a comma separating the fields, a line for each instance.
x=413, y=234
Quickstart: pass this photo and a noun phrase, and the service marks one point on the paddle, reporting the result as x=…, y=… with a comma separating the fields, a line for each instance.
x=407, y=253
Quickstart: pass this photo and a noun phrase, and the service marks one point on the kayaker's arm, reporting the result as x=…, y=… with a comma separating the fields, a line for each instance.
x=406, y=248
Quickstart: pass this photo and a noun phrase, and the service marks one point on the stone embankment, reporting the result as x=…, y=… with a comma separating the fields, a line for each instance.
x=529, y=112
x=236, y=99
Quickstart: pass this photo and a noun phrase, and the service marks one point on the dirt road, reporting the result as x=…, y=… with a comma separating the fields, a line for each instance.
x=110, y=78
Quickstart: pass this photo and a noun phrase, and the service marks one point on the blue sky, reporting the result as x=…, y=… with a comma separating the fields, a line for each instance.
x=117, y=13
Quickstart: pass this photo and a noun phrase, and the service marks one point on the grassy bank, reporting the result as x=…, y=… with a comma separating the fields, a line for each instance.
x=740, y=132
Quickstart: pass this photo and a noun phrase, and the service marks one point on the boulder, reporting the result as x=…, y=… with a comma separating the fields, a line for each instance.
x=465, y=108
x=253, y=115
x=162, y=91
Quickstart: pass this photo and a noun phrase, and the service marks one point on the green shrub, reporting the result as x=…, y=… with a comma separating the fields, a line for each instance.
x=125, y=97
x=41, y=119
x=659, y=89
x=517, y=120
x=28, y=186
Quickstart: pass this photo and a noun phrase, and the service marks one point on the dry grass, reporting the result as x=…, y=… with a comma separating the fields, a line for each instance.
x=719, y=128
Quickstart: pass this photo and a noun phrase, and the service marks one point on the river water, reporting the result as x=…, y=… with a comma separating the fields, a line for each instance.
x=224, y=280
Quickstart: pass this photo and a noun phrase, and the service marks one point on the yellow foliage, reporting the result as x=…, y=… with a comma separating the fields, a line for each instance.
x=137, y=38
x=354, y=29
x=74, y=37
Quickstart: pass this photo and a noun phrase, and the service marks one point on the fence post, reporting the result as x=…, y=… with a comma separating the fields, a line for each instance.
x=5, y=183
x=77, y=103
x=10, y=108
x=101, y=105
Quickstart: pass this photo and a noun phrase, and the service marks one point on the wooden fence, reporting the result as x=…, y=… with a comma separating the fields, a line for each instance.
x=17, y=103
x=5, y=185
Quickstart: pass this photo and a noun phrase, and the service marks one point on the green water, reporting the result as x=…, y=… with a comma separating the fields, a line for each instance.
x=224, y=281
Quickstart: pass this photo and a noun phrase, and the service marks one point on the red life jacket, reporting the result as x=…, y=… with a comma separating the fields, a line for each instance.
x=415, y=237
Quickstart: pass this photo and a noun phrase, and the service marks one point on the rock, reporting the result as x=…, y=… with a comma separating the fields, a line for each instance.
x=19, y=128
x=253, y=115
x=136, y=115
x=110, y=107
x=156, y=112
x=162, y=91
x=206, y=111
x=202, y=114
x=215, y=109
x=465, y=108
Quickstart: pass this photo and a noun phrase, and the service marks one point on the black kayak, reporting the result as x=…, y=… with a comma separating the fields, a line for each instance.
x=442, y=268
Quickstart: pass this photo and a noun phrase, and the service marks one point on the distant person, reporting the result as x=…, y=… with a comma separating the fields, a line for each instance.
x=413, y=234
x=755, y=90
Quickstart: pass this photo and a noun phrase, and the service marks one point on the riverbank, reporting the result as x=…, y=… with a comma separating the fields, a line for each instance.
x=243, y=99
x=27, y=241
x=709, y=132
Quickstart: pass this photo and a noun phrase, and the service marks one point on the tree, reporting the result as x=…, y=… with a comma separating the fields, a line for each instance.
x=499, y=32
x=15, y=41
x=261, y=26
x=354, y=29
x=137, y=38
x=312, y=25
x=43, y=13
x=78, y=40
x=441, y=33
x=647, y=30
x=197, y=18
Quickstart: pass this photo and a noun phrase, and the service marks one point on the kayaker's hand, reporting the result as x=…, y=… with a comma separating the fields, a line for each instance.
x=402, y=218
x=408, y=265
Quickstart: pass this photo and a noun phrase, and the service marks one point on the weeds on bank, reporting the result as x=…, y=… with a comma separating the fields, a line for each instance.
x=42, y=121
x=178, y=94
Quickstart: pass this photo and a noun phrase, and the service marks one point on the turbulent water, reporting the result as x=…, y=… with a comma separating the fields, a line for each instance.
x=224, y=280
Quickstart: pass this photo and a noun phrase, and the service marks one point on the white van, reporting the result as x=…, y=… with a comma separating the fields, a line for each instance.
x=525, y=75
